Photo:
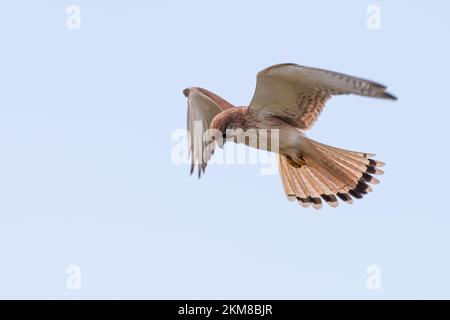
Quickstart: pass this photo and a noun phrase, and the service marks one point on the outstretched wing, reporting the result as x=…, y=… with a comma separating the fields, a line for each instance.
x=298, y=94
x=203, y=106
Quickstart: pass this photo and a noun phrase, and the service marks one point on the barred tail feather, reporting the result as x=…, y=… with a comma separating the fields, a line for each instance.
x=328, y=174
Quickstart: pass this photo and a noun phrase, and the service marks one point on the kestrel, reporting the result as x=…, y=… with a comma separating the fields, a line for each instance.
x=289, y=98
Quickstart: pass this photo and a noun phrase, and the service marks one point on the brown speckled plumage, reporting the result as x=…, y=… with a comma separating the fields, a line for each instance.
x=290, y=98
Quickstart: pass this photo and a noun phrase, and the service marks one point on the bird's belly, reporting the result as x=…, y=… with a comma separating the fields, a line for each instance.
x=283, y=140
x=290, y=140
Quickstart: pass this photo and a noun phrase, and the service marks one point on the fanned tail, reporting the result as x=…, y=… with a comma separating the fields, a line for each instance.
x=327, y=174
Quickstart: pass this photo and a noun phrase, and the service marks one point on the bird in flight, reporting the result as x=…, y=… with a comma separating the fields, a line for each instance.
x=289, y=98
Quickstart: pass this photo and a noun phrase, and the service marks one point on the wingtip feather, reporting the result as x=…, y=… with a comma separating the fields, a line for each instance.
x=388, y=95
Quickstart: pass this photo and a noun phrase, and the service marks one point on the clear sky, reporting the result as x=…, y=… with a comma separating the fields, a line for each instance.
x=86, y=177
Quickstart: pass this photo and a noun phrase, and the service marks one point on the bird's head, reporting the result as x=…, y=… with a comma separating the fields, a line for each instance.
x=218, y=129
x=224, y=124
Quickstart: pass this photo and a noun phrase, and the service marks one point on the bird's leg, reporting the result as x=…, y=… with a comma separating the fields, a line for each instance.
x=297, y=163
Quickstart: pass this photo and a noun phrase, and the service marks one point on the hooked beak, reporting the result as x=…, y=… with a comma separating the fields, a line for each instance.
x=218, y=142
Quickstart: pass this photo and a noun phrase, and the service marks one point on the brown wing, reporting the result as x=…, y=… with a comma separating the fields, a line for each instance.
x=203, y=106
x=298, y=93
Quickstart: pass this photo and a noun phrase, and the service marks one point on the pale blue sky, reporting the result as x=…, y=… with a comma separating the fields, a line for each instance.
x=85, y=171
